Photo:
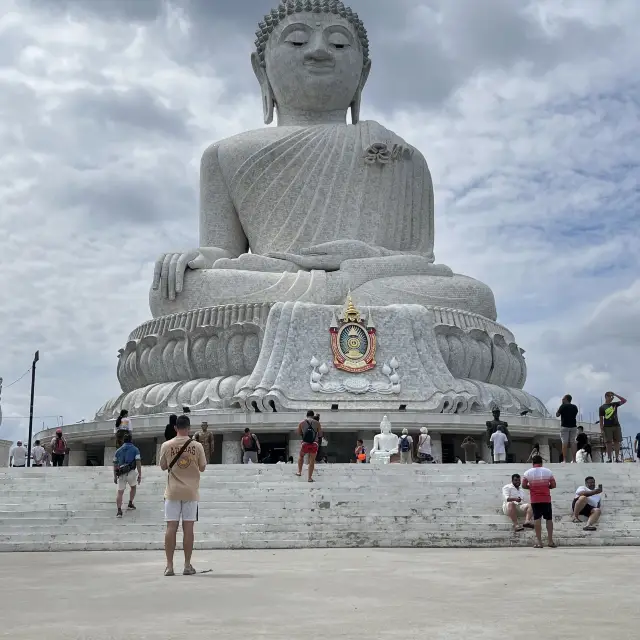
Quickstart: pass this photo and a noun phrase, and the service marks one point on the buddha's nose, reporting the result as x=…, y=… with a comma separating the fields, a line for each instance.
x=319, y=51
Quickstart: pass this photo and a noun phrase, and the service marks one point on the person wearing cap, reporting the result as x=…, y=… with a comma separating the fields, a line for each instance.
x=424, y=446
x=58, y=449
x=18, y=455
x=406, y=447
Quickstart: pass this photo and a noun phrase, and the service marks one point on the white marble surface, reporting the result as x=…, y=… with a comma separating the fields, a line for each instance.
x=360, y=219
x=109, y=452
x=77, y=457
x=5, y=447
x=231, y=449
x=266, y=506
x=296, y=337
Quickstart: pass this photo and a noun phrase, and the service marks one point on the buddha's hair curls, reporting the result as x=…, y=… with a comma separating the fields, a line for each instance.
x=289, y=7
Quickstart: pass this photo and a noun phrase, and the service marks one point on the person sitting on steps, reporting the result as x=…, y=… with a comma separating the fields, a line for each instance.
x=514, y=504
x=588, y=503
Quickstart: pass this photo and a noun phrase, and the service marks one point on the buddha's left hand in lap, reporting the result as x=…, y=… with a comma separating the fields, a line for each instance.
x=256, y=262
x=328, y=256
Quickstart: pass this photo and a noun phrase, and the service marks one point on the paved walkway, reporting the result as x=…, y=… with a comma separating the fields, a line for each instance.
x=382, y=594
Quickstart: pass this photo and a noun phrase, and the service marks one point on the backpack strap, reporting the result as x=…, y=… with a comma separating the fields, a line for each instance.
x=182, y=450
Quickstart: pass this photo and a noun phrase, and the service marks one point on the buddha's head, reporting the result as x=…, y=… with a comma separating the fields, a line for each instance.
x=312, y=57
x=385, y=425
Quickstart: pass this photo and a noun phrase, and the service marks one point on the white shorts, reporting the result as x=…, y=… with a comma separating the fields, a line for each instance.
x=499, y=457
x=521, y=508
x=176, y=510
x=130, y=479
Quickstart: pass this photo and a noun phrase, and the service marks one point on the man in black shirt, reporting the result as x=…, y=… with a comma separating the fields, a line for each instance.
x=610, y=425
x=568, y=412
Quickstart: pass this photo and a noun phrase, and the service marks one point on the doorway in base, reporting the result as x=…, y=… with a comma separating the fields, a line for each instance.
x=273, y=447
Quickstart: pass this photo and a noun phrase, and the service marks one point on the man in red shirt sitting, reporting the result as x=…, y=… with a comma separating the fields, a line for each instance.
x=539, y=481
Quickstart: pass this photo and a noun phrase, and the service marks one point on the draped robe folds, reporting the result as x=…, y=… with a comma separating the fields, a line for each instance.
x=297, y=187
x=314, y=185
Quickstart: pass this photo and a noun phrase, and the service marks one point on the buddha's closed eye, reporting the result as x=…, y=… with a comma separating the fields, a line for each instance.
x=338, y=41
x=298, y=39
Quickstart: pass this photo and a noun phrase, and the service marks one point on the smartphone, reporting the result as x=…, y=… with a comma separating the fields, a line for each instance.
x=600, y=487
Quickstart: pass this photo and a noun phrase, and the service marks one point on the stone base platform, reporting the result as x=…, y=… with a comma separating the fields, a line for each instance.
x=91, y=441
x=278, y=357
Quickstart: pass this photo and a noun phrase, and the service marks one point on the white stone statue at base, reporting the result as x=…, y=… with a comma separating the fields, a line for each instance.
x=385, y=444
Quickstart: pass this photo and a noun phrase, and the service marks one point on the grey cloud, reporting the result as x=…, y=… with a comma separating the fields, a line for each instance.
x=108, y=197
x=135, y=107
x=129, y=10
x=422, y=50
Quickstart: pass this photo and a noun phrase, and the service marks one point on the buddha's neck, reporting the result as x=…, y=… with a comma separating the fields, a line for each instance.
x=296, y=118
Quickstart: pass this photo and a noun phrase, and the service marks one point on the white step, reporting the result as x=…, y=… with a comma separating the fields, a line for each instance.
x=258, y=506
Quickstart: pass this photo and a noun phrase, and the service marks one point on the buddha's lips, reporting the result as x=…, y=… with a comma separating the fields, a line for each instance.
x=319, y=66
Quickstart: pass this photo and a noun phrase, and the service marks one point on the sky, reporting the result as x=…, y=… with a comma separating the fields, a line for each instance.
x=528, y=114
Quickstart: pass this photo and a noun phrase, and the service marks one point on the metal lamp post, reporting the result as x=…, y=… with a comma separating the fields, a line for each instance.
x=36, y=357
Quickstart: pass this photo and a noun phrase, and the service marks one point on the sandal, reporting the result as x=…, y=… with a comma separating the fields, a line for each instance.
x=299, y=475
x=552, y=545
x=528, y=525
x=576, y=520
x=589, y=528
x=518, y=529
x=189, y=571
x=169, y=572
x=537, y=545
x=311, y=480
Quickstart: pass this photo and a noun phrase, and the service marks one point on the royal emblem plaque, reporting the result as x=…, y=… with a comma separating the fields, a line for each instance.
x=353, y=341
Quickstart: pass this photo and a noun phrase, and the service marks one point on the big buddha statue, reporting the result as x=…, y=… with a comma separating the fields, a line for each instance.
x=309, y=210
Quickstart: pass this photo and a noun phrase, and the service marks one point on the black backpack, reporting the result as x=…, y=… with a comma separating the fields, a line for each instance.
x=404, y=444
x=309, y=433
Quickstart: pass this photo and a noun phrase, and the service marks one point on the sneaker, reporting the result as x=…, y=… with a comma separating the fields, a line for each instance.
x=131, y=506
x=119, y=514
x=189, y=571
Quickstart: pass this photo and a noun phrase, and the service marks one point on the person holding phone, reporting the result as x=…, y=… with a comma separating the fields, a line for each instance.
x=588, y=503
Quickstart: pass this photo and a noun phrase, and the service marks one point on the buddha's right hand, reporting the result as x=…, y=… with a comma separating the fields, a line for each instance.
x=168, y=275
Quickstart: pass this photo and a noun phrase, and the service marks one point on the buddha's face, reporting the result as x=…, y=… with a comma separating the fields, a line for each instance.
x=314, y=62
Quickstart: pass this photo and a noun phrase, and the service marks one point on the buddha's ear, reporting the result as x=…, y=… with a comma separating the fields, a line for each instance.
x=268, y=102
x=357, y=99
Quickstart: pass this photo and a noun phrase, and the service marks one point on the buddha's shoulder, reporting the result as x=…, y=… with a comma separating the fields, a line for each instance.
x=248, y=142
x=238, y=148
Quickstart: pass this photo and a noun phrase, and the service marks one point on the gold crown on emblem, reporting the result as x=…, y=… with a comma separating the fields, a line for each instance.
x=351, y=314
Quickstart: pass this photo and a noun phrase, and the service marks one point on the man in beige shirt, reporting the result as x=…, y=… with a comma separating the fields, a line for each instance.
x=182, y=493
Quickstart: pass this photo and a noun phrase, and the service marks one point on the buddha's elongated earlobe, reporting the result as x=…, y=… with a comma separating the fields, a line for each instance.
x=357, y=99
x=268, y=101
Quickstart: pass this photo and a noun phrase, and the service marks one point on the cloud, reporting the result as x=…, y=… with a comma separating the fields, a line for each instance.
x=526, y=112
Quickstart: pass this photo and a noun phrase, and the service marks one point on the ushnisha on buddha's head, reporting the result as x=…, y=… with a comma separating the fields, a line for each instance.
x=312, y=62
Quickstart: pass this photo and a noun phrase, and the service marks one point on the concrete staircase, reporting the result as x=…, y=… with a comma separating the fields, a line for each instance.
x=256, y=506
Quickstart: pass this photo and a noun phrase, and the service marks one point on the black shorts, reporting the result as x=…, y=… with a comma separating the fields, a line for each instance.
x=542, y=510
x=587, y=510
